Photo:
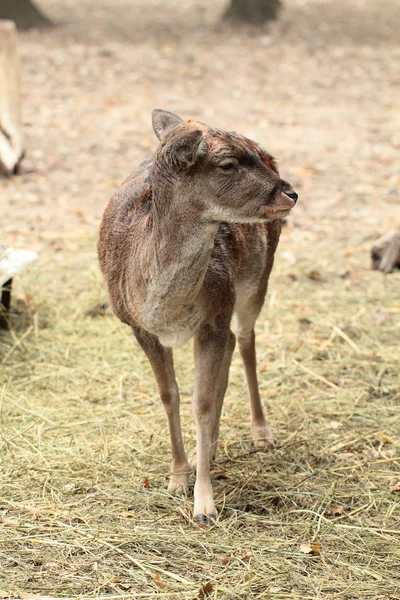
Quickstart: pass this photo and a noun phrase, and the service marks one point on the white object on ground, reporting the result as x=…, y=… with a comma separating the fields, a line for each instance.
x=13, y=261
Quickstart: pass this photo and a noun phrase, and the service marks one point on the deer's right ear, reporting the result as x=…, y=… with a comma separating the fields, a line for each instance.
x=186, y=150
x=164, y=122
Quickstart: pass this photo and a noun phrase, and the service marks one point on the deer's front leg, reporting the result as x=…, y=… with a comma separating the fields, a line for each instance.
x=161, y=361
x=209, y=347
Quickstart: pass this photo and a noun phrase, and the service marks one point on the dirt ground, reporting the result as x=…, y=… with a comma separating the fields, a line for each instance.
x=84, y=512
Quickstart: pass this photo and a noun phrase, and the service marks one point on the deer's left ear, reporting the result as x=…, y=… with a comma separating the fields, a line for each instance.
x=164, y=122
x=186, y=150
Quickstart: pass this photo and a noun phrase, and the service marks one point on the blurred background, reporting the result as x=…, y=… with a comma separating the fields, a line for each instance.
x=319, y=87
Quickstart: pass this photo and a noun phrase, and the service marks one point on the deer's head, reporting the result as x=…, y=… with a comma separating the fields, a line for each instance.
x=226, y=176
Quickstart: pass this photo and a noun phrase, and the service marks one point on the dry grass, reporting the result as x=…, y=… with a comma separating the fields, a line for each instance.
x=84, y=508
x=84, y=511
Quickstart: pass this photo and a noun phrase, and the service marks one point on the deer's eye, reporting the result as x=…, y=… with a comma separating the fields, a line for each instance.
x=228, y=165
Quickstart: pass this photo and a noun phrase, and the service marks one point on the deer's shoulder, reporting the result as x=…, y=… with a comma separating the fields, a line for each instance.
x=128, y=209
x=134, y=195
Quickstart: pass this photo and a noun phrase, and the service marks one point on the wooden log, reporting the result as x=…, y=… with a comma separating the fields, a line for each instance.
x=10, y=107
x=385, y=252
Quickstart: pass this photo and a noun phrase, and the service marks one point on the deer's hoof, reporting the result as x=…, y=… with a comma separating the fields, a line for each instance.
x=178, y=483
x=204, y=507
x=205, y=518
x=262, y=437
x=264, y=443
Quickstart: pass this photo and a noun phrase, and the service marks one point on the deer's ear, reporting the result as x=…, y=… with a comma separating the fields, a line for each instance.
x=164, y=122
x=186, y=150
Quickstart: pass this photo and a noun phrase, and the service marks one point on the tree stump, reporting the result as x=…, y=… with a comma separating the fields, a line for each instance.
x=10, y=109
x=24, y=12
x=385, y=252
x=253, y=11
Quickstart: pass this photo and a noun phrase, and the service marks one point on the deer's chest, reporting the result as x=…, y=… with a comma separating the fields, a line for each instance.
x=172, y=311
x=174, y=328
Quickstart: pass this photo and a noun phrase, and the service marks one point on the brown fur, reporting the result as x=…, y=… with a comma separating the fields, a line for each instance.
x=188, y=240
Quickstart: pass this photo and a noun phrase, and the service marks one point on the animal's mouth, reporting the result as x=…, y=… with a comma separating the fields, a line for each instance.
x=275, y=212
x=283, y=212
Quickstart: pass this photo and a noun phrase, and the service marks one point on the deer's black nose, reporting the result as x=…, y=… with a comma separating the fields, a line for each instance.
x=292, y=195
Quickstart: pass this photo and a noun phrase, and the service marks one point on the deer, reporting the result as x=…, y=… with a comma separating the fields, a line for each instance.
x=186, y=243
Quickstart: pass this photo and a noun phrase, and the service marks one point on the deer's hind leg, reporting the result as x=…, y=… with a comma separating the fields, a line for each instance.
x=246, y=317
x=162, y=364
x=220, y=389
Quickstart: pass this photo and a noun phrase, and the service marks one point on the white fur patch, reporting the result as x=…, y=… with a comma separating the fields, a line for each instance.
x=175, y=340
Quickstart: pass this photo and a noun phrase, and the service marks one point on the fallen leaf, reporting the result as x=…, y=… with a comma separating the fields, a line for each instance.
x=206, y=590
x=296, y=347
x=395, y=487
x=158, y=582
x=78, y=212
x=339, y=510
x=345, y=274
x=355, y=250
x=315, y=548
x=69, y=487
x=246, y=555
x=380, y=317
x=57, y=246
x=315, y=275
x=335, y=424
x=308, y=549
x=304, y=322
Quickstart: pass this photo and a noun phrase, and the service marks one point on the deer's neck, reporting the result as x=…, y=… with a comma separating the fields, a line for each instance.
x=182, y=246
